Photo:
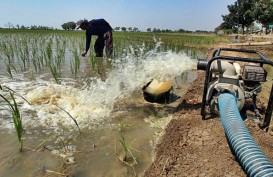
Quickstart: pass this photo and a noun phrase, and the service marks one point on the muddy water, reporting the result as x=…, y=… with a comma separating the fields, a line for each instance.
x=108, y=111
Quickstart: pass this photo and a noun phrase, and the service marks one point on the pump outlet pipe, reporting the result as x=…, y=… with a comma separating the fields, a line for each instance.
x=248, y=153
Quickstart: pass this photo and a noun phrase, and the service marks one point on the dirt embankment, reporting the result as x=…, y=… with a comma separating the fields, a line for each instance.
x=195, y=147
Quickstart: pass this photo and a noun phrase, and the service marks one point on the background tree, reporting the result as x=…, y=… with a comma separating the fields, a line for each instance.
x=69, y=26
x=23, y=27
x=264, y=13
x=135, y=29
x=240, y=14
x=9, y=25
x=123, y=29
x=156, y=30
x=117, y=28
x=244, y=12
x=181, y=31
x=245, y=15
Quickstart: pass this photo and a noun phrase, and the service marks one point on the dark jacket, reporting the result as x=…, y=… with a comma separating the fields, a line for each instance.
x=96, y=27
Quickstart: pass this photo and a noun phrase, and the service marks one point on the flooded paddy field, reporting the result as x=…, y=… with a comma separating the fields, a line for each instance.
x=81, y=116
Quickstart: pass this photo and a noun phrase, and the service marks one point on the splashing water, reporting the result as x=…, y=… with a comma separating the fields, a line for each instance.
x=92, y=104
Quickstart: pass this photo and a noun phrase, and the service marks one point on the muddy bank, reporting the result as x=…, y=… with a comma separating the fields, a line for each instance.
x=195, y=147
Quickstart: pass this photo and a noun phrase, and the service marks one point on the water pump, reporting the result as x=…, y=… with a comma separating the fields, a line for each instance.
x=241, y=76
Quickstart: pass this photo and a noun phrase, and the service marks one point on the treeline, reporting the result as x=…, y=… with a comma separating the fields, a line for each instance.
x=69, y=26
x=32, y=27
x=157, y=30
x=244, y=13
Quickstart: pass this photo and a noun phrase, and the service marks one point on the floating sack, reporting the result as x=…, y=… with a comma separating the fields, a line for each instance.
x=158, y=92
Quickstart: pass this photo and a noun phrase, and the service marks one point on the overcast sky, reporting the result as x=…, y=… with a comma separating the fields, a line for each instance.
x=143, y=14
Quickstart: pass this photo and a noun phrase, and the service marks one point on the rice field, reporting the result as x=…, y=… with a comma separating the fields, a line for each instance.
x=60, y=109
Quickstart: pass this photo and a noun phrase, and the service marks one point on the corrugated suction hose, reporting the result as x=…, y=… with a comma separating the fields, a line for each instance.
x=248, y=153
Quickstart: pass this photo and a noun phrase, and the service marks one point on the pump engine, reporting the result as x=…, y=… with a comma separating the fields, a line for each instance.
x=240, y=76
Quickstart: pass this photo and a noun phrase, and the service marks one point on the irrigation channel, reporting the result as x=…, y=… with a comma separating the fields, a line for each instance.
x=77, y=118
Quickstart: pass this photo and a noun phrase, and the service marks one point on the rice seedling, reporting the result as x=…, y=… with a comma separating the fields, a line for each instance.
x=16, y=117
x=34, y=60
x=9, y=53
x=55, y=71
x=93, y=61
x=49, y=52
x=1, y=88
x=9, y=68
x=62, y=145
x=24, y=58
x=123, y=126
x=75, y=63
x=75, y=121
x=43, y=55
x=44, y=141
x=128, y=158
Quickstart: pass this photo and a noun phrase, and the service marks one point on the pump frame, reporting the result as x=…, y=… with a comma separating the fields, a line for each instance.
x=217, y=56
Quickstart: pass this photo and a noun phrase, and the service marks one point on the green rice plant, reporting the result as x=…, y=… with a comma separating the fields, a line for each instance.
x=60, y=52
x=55, y=71
x=24, y=58
x=9, y=67
x=54, y=63
x=129, y=159
x=93, y=60
x=62, y=145
x=1, y=88
x=9, y=53
x=123, y=126
x=44, y=141
x=16, y=117
x=43, y=55
x=58, y=60
x=34, y=60
x=75, y=63
x=49, y=54
x=75, y=121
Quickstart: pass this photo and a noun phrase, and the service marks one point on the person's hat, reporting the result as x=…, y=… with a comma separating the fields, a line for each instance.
x=79, y=22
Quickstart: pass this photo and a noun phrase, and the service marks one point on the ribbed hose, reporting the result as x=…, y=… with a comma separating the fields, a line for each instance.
x=248, y=153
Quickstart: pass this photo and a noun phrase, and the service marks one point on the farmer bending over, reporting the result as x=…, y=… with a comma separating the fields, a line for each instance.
x=103, y=30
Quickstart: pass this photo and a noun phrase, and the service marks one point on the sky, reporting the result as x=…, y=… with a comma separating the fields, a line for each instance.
x=142, y=14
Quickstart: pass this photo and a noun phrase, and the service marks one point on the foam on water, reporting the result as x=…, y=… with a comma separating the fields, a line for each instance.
x=92, y=104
